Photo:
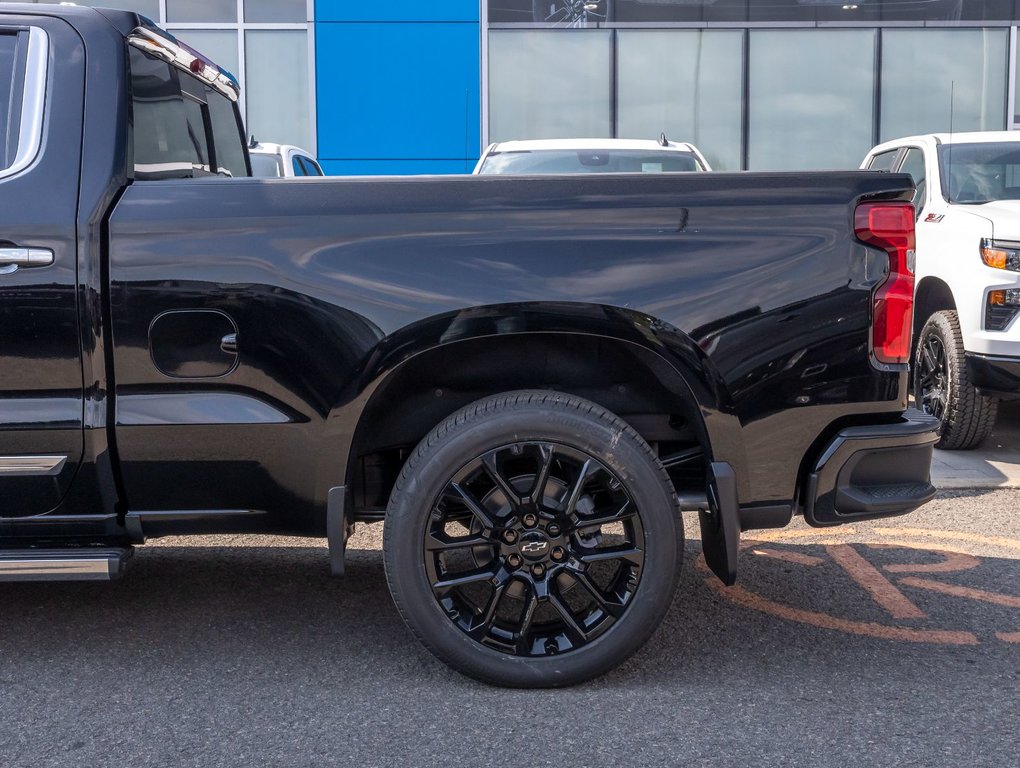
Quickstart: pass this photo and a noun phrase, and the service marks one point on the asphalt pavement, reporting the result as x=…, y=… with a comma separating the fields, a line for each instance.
x=895, y=643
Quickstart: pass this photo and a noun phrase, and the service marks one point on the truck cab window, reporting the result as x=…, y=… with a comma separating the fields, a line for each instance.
x=310, y=166
x=913, y=163
x=228, y=134
x=883, y=161
x=10, y=89
x=182, y=128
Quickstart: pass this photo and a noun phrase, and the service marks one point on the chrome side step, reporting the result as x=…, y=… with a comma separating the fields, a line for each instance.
x=70, y=564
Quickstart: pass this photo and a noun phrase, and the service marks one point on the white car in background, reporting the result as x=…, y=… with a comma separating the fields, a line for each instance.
x=967, y=277
x=556, y=156
x=281, y=160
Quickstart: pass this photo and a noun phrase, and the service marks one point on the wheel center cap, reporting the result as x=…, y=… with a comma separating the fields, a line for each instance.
x=534, y=546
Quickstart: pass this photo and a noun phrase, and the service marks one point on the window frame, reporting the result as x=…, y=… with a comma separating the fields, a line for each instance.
x=194, y=89
x=28, y=101
x=901, y=160
x=896, y=152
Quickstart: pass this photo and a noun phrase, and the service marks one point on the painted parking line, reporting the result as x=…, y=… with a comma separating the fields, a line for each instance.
x=882, y=591
x=956, y=590
x=887, y=584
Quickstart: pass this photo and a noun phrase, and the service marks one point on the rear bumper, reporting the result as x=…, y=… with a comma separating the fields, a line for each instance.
x=994, y=375
x=872, y=471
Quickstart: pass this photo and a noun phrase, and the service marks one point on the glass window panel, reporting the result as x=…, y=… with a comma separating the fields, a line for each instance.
x=227, y=135
x=276, y=73
x=645, y=11
x=201, y=10
x=811, y=98
x=883, y=161
x=275, y=10
x=920, y=68
x=686, y=83
x=169, y=131
x=550, y=85
x=265, y=165
x=220, y=45
x=311, y=168
x=9, y=95
x=612, y=160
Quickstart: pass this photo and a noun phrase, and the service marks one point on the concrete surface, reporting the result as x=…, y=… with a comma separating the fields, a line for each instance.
x=996, y=464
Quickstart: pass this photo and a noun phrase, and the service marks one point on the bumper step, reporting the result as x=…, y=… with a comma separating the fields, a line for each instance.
x=876, y=471
x=70, y=564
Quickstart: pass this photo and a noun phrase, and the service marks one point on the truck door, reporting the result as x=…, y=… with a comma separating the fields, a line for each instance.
x=40, y=352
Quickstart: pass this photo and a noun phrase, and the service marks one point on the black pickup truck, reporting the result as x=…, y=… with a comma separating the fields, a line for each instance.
x=524, y=379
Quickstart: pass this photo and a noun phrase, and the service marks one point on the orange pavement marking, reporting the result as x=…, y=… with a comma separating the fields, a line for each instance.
x=998, y=541
x=882, y=590
x=790, y=557
x=1008, y=637
x=750, y=600
x=955, y=590
x=780, y=535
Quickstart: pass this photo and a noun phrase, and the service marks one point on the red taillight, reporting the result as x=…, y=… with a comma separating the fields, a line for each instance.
x=890, y=226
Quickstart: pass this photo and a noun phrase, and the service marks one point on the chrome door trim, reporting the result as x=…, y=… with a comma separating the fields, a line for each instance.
x=31, y=466
x=33, y=103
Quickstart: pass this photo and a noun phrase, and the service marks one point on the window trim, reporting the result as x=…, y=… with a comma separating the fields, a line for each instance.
x=925, y=193
x=33, y=103
x=166, y=47
x=198, y=91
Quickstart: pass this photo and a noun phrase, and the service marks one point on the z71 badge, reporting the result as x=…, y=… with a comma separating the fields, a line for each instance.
x=934, y=218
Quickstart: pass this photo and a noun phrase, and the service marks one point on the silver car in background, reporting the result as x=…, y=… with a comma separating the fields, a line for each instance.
x=557, y=156
x=270, y=160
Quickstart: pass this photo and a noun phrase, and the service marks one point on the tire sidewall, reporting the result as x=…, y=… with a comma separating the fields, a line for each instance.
x=411, y=504
x=969, y=416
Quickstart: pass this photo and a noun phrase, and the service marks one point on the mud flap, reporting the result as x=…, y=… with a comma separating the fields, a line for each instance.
x=338, y=528
x=720, y=523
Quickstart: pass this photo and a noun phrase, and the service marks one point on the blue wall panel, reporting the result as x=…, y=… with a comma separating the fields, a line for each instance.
x=397, y=90
x=395, y=167
x=397, y=10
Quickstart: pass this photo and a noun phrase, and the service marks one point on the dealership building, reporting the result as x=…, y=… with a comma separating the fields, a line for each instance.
x=410, y=87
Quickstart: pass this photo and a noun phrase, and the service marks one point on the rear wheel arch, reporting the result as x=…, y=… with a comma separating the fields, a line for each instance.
x=671, y=402
x=931, y=295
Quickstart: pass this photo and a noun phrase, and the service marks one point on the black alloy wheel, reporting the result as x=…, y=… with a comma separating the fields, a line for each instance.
x=931, y=376
x=533, y=540
x=942, y=386
x=534, y=549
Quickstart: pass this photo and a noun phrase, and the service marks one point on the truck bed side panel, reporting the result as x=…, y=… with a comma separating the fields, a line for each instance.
x=754, y=269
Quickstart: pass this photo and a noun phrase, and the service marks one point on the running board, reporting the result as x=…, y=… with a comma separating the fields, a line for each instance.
x=70, y=564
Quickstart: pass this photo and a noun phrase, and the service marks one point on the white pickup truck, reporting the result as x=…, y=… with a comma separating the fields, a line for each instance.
x=967, y=290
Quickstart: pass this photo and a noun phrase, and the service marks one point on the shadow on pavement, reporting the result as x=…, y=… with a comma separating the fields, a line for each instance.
x=256, y=656
x=278, y=614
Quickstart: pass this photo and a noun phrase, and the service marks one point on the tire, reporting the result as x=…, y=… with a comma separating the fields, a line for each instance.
x=942, y=387
x=542, y=601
